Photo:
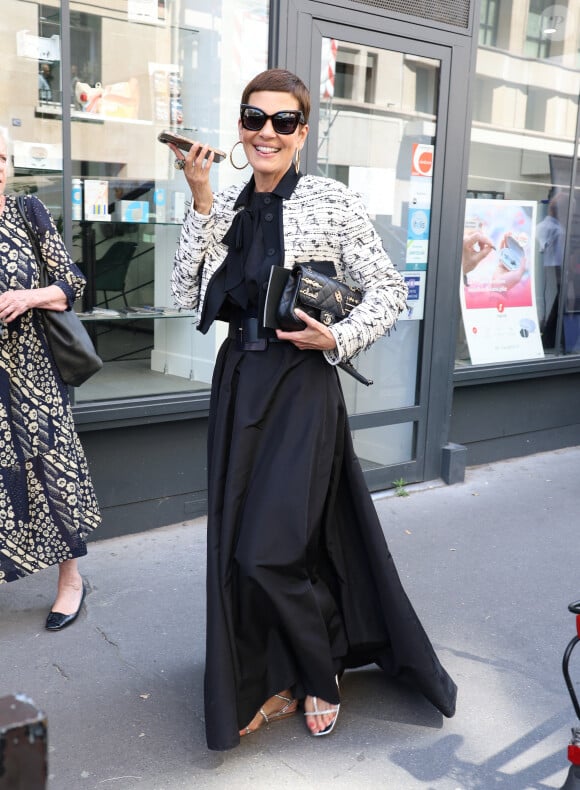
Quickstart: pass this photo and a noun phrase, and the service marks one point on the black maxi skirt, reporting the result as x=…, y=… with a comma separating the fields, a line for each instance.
x=300, y=581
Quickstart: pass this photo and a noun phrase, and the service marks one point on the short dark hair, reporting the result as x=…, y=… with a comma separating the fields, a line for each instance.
x=280, y=81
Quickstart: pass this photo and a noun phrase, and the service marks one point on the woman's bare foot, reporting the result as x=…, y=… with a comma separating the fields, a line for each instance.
x=280, y=706
x=70, y=588
x=318, y=722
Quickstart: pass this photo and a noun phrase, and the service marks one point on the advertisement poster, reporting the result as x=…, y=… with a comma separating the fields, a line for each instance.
x=97, y=201
x=417, y=238
x=118, y=100
x=498, y=300
x=37, y=156
x=419, y=216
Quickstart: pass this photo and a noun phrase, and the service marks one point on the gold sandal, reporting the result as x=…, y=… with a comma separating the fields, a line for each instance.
x=288, y=709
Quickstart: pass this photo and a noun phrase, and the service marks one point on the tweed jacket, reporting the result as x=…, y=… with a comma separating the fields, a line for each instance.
x=322, y=220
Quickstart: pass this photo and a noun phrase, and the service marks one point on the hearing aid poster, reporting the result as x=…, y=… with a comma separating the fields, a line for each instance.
x=419, y=213
x=497, y=291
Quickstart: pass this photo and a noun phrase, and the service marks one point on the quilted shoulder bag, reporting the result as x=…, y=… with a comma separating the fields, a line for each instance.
x=325, y=298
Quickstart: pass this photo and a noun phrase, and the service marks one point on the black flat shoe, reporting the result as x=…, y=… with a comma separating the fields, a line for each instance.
x=57, y=621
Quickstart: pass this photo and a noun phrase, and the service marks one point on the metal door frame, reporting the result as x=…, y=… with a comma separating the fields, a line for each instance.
x=297, y=28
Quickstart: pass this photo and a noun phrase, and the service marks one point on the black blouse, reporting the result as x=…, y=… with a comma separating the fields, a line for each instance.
x=256, y=243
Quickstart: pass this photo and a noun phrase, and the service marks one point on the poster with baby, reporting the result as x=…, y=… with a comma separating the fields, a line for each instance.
x=497, y=292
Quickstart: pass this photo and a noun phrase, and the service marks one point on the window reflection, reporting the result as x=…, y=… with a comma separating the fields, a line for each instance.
x=541, y=28
x=49, y=73
x=392, y=171
x=522, y=149
x=551, y=238
x=488, y=20
x=135, y=69
x=86, y=57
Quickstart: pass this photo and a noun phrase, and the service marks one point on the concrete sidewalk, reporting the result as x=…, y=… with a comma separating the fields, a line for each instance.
x=490, y=565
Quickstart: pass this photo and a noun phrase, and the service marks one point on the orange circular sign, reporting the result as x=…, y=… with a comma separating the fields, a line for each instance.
x=422, y=160
x=425, y=163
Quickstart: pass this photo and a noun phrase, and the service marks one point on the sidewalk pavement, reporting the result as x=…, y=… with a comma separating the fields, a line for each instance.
x=490, y=565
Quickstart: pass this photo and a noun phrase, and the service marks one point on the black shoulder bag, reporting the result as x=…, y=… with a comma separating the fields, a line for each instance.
x=71, y=346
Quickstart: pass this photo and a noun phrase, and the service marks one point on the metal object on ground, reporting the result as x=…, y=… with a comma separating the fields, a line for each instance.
x=23, y=758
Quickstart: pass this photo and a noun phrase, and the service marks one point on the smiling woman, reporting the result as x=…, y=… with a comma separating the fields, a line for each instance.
x=291, y=524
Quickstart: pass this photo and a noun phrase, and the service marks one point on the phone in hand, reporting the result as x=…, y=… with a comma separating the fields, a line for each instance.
x=511, y=256
x=184, y=143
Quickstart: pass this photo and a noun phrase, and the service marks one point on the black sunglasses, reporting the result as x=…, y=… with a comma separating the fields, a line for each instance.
x=284, y=122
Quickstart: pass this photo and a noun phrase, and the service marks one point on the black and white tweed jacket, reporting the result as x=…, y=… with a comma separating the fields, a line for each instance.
x=323, y=220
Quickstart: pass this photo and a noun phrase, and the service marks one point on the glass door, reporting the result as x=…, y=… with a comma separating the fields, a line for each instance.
x=377, y=130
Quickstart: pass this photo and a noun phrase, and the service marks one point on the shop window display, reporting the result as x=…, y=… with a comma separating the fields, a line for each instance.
x=135, y=69
x=520, y=182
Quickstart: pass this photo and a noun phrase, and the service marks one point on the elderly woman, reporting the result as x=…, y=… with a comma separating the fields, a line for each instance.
x=300, y=582
x=47, y=502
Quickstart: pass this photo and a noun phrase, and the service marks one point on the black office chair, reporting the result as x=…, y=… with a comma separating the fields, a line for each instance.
x=112, y=268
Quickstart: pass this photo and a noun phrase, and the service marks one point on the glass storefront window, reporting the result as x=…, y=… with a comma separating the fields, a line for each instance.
x=136, y=68
x=519, y=300
x=393, y=173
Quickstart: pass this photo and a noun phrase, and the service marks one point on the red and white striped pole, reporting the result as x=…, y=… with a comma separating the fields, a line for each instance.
x=328, y=70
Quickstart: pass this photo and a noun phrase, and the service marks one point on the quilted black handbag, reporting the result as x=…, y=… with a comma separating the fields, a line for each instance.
x=322, y=297
x=70, y=343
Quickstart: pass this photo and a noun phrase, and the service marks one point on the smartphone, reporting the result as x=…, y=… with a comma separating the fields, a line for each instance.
x=185, y=144
x=511, y=256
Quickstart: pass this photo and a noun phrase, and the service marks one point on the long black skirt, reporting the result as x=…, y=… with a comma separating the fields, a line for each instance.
x=300, y=581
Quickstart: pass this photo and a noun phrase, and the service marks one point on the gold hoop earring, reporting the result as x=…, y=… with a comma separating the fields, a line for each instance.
x=297, y=161
x=232, y=157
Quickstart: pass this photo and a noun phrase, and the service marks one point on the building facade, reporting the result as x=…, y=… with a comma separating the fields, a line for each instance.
x=458, y=123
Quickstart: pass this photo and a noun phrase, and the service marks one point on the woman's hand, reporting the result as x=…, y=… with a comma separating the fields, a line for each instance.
x=196, y=171
x=14, y=303
x=476, y=246
x=316, y=336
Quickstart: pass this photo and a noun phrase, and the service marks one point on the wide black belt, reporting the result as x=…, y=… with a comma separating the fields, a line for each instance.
x=250, y=334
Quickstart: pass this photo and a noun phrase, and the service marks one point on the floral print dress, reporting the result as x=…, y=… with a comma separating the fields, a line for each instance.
x=47, y=502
